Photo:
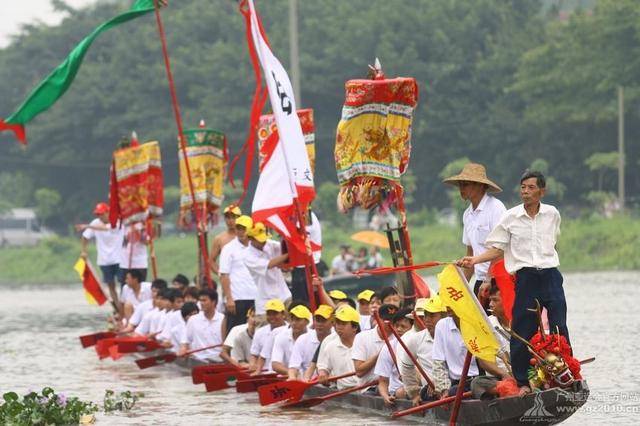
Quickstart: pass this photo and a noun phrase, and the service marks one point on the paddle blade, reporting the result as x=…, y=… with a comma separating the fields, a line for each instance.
x=282, y=391
x=114, y=353
x=156, y=360
x=199, y=372
x=91, y=339
x=102, y=347
x=138, y=346
x=252, y=385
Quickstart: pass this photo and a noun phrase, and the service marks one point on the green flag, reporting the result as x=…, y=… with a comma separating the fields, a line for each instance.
x=58, y=81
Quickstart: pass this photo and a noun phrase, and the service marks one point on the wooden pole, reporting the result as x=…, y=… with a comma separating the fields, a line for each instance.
x=460, y=390
x=621, y=157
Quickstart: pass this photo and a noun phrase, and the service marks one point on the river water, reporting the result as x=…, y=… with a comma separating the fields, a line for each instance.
x=39, y=329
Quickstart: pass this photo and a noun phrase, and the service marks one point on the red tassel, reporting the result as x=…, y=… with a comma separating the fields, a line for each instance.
x=17, y=129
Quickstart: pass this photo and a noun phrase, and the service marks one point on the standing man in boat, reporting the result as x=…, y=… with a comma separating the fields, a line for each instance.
x=239, y=288
x=482, y=215
x=108, y=244
x=231, y=213
x=526, y=236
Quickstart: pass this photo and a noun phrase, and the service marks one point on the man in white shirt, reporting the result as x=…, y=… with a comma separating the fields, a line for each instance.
x=526, y=236
x=142, y=308
x=108, y=245
x=134, y=292
x=204, y=329
x=420, y=344
x=306, y=345
x=173, y=337
x=335, y=354
x=134, y=254
x=390, y=385
x=448, y=354
x=283, y=343
x=482, y=215
x=368, y=344
x=237, y=345
x=260, y=345
x=341, y=264
x=153, y=321
x=263, y=259
x=230, y=213
x=364, y=300
x=239, y=288
x=174, y=316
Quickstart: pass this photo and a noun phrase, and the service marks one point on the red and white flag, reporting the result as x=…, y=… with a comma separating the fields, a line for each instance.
x=286, y=175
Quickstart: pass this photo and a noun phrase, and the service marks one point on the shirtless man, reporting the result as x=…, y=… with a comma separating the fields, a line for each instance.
x=231, y=213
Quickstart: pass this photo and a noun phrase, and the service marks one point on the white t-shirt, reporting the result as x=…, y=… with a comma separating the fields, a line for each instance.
x=478, y=224
x=386, y=368
x=240, y=342
x=269, y=281
x=366, y=345
x=232, y=263
x=267, y=348
x=282, y=347
x=201, y=332
x=108, y=242
x=365, y=322
x=173, y=318
x=505, y=345
x=128, y=295
x=304, y=349
x=449, y=347
x=140, y=311
x=421, y=345
x=340, y=265
x=147, y=320
x=336, y=359
x=134, y=254
x=177, y=332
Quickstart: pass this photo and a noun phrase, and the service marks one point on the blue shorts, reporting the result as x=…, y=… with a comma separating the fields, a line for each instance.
x=109, y=273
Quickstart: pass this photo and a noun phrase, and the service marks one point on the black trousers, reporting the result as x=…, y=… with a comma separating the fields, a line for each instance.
x=546, y=286
x=240, y=317
x=299, y=285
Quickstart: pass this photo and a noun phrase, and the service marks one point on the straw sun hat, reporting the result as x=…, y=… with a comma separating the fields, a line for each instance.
x=473, y=172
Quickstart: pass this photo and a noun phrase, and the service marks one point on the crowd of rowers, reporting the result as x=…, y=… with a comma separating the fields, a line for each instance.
x=340, y=336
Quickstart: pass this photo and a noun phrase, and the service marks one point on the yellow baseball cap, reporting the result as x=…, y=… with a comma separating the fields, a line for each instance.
x=233, y=209
x=347, y=314
x=302, y=312
x=258, y=232
x=245, y=221
x=274, y=305
x=366, y=295
x=337, y=294
x=434, y=305
x=324, y=311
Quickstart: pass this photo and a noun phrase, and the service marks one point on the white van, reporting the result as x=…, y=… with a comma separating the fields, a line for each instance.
x=20, y=227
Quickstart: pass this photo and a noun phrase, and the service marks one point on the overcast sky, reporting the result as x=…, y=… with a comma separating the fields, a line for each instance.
x=14, y=13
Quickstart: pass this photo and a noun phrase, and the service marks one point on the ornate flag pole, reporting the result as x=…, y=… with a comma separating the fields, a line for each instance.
x=200, y=226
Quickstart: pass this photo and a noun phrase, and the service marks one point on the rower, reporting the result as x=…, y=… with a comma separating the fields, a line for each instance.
x=143, y=308
x=335, y=354
x=526, y=236
x=283, y=343
x=484, y=387
x=448, y=354
x=204, y=329
x=180, y=282
x=390, y=386
x=305, y=347
x=420, y=344
x=174, y=336
x=238, y=285
x=108, y=245
x=191, y=294
x=367, y=346
x=275, y=323
x=236, y=349
x=364, y=299
x=263, y=260
x=338, y=296
x=153, y=321
x=174, y=316
x=134, y=292
x=482, y=215
x=390, y=296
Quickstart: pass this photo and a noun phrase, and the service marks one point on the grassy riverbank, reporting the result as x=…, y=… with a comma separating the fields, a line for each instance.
x=585, y=245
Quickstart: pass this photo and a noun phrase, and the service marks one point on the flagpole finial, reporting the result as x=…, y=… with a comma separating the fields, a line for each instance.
x=134, y=139
x=202, y=124
x=375, y=71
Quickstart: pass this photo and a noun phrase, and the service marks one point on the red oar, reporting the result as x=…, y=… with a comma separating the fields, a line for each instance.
x=199, y=372
x=91, y=339
x=226, y=380
x=103, y=346
x=312, y=402
x=427, y=406
x=253, y=384
x=167, y=358
x=129, y=347
x=291, y=390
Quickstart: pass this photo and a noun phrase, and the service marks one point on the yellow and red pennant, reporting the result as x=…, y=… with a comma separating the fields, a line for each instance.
x=92, y=289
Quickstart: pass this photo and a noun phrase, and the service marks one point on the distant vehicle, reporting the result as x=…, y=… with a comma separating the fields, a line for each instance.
x=20, y=227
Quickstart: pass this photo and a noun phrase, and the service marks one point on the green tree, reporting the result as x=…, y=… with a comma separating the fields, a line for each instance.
x=453, y=168
x=16, y=189
x=47, y=203
x=601, y=162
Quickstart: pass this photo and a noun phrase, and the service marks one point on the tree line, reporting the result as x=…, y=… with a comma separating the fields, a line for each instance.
x=508, y=83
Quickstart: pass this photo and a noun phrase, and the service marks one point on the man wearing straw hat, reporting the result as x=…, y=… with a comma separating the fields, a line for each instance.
x=482, y=215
